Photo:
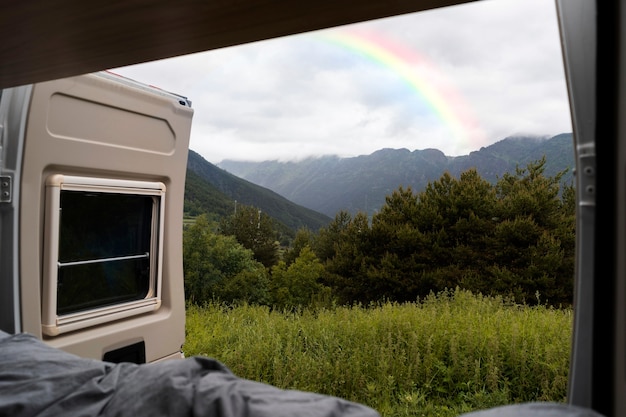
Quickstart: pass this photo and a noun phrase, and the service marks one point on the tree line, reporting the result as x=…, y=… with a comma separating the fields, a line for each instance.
x=514, y=238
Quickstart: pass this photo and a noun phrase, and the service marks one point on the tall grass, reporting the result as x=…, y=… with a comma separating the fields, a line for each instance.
x=450, y=353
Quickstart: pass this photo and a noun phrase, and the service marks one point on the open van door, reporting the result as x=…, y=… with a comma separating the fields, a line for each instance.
x=92, y=187
x=594, y=44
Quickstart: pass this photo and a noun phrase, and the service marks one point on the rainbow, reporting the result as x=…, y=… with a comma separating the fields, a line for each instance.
x=414, y=70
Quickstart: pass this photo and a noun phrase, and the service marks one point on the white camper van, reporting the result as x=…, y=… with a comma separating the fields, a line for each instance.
x=92, y=175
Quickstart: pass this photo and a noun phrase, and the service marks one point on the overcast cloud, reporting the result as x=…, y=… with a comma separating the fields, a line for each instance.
x=499, y=62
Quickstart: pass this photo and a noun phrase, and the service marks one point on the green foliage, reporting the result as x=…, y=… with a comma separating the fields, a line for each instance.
x=248, y=286
x=343, y=247
x=201, y=197
x=217, y=267
x=298, y=284
x=304, y=237
x=536, y=233
x=514, y=238
x=445, y=355
x=255, y=231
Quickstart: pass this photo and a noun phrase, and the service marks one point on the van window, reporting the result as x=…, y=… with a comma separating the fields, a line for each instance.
x=102, y=250
x=105, y=246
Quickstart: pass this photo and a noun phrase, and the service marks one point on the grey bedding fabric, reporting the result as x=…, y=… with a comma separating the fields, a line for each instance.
x=537, y=409
x=37, y=380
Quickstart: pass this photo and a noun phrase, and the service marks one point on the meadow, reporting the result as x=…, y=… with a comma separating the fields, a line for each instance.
x=447, y=354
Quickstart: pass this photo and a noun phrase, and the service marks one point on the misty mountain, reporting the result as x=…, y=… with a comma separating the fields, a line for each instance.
x=210, y=189
x=329, y=184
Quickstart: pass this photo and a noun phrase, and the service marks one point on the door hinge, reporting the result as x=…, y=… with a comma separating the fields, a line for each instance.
x=6, y=188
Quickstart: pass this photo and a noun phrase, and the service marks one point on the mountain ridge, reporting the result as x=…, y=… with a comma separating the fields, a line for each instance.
x=329, y=184
x=211, y=189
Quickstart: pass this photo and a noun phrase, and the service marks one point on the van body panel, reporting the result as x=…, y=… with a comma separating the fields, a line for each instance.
x=104, y=127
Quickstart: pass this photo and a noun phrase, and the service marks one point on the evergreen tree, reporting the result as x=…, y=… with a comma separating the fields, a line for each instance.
x=304, y=237
x=514, y=238
x=536, y=235
x=328, y=237
x=458, y=217
x=255, y=231
x=341, y=248
x=399, y=251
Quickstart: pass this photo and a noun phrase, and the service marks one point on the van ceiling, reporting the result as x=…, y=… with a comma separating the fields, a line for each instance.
x=42, y=40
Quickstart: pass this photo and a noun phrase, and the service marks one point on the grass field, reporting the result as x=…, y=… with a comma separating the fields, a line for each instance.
x=448, y=354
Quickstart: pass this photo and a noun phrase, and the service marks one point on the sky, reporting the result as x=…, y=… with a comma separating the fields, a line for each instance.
x=457, y=79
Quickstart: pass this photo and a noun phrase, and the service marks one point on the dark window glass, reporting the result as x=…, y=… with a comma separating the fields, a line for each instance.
x=105, y=243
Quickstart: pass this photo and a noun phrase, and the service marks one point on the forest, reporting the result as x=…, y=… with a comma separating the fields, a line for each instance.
x=514, y=238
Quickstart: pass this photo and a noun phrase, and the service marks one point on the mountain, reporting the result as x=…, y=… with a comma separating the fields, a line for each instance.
x=211, y=189
x=329, y=184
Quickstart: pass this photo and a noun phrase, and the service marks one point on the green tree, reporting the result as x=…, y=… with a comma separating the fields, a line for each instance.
x=250, y=285
x=427, y=242
x=535, y=237
x=398, y=252
x=327, y=238
x=345, y=246
x=255, y=231
x=304, y=237
x=513, y=238
x=218, y=267
x=529, y=193
x=299, y=284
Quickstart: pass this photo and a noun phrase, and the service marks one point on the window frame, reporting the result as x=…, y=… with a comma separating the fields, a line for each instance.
x=54, y=324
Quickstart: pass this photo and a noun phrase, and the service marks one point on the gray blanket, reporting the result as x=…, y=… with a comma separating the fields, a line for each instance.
x=37, y=380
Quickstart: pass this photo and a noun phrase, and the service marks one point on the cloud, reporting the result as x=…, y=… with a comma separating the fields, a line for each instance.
x=298, y=96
